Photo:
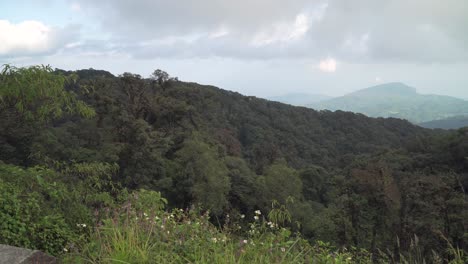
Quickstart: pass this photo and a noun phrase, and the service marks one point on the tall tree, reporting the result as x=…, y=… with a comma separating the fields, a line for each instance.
x=29, y=98
x=37, y=93
x=205, y=175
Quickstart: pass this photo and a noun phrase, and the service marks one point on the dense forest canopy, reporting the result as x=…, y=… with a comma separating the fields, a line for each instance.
x=347, y=179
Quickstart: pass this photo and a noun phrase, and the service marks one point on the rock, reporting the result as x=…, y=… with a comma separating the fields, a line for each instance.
x=16, y=255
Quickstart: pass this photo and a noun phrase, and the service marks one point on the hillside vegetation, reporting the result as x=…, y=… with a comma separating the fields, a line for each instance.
x=397, y=100
x=88, y=159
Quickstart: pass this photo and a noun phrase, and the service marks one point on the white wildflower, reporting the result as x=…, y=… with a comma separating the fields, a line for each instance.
x=257, y=212
x=242, y=216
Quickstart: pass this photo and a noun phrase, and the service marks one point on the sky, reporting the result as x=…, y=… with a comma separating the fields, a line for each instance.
x=255, y=47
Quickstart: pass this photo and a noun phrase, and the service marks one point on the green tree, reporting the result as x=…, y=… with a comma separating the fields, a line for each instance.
x=280, y=182
x=30, y=98
x=244, y=189
x=38, y=93
x=205, y=174
x=316, y=184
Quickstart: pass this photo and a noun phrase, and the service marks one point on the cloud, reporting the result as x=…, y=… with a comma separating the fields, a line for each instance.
x=161, y=17
x=327, y=65
x=283, y=32
x=247, y=29
x=418, y=31
x=221, y=31
x=360, y=31
x=75, y=7
x=29, y=38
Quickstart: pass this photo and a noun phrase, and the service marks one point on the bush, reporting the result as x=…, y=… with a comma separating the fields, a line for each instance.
x=30, y=214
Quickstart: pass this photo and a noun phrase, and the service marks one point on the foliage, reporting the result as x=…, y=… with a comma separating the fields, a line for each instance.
x=356, y=183
x=38, y=94
x=29, y=216
x=41, y=209
x=29, y=98
x=204, y=174
x=151, y=235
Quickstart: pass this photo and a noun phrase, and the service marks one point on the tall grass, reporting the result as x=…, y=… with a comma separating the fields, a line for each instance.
x=142, y=232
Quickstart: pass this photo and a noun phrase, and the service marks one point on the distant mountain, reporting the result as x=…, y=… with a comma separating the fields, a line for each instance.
x=397, y=100
x=448, y=123
x=300, y=99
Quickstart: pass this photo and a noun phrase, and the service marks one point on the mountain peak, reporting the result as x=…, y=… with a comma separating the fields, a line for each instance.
x=397, y=100
x=393, y=88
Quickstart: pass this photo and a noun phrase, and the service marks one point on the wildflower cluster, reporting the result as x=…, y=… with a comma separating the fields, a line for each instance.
x=257, y=215
x=272, y=225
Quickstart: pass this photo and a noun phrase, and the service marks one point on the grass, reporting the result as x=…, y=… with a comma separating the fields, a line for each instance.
x=143, y=232
x=131, y=235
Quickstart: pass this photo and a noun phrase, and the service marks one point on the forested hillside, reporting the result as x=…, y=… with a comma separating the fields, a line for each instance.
x=86, y=139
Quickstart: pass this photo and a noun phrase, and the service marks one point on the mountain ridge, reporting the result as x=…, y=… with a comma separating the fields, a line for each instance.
x=455, y=122
x=397, y=100
x=299, y=99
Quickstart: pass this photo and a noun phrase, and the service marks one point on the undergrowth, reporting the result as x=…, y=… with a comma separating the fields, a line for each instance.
x=141, y=231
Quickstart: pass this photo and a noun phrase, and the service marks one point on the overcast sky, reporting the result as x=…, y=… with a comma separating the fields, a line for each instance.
x=256, y=47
